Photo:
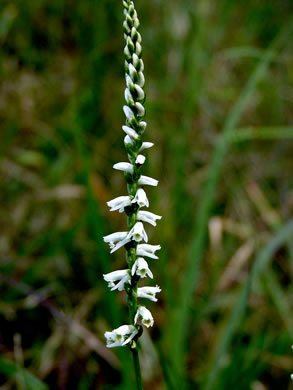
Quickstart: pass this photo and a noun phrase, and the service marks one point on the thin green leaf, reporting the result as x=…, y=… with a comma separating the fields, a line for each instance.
x=196, y=250
x=236, y=317
x=13, y=370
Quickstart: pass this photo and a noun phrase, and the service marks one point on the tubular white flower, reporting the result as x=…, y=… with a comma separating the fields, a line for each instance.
x=128, y=140
x=121, y=276
x=130, y=132
x=140, y=109
x=139, y=91
x=141, y=268
x=119, y=203
x=120, y=336
x=132, y=71
x=148, y=293
x=128, y=97
x=146, y=145
x=121, y=243
x=128, y=113
x=148, y=181
x=147, y=216
x=140, y=159
x=137, y=233
x=142, y=125
x=145, y=316
x=124, y=167
x=114, y=237
x=147, y=250
x=141, y=198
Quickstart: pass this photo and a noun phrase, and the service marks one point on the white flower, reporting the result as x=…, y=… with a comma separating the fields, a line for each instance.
x=145, y=145
x=132, y=71
x=139, y=91
x=120, y=336
x=141, y=268
x=140, y=109
x=147, y=250
x=121, y=243
x=148, y=292
x=121, y=276
x=128, y=97
x=119, y=203
x=137, y=233
x=130, y=132
x=140, y=159
x=148, y=181
x=128, y=113
x=124, y=166
x=141, y=198
x=128, y=140
x=149, y=217
x=114, y=237
x=145, y=316
x=142, y=125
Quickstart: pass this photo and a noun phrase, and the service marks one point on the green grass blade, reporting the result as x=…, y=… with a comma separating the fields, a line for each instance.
x=236, y=317
x=12, y=370
x=280, y=300
x=262, y=133
x=195, y=255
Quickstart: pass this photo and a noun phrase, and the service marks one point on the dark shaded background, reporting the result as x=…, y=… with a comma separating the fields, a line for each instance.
x=61, y=97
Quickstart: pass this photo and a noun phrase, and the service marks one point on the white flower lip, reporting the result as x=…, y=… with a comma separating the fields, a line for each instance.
x=141, y=268
x=120, y=336
x=141, y=198
x=130, y=132
x=140, y=159
x=147, y=250
x=145, y=145
x=128, y=140
x=146, y=180
x=137, y=233
x=132, y=71
x=145, y=316
x=140, y=109
x=119, y=203
x=114, y=237
x=122, y=276
x=124, y=167
x=147, y=216
x=139, y=91
x=142, y=125
x=128, y=113
x=128, y=97
x=148, y=292
x=121, y=243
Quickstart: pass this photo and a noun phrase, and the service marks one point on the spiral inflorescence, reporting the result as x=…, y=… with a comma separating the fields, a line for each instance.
x=136, y=200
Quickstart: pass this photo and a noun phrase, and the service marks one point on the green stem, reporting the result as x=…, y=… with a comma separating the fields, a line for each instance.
x=137, y=368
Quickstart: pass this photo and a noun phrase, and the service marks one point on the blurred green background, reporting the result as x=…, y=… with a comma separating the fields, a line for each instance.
x=219, y=83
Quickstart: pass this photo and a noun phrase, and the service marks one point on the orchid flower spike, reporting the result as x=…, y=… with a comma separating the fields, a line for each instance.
x=135, y=239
